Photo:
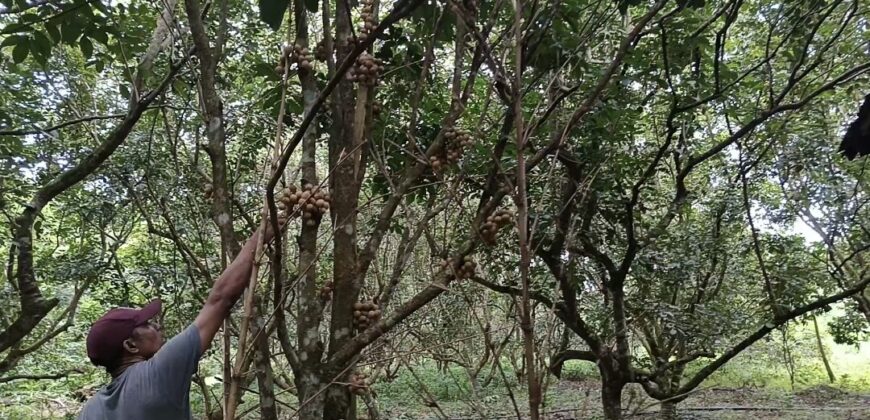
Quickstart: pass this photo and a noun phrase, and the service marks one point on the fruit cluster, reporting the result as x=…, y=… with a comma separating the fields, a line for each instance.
x=368, y=18
x=311, y=201
x=365, y=314
x=300, y=55
x=351, y=41
x=326, y=291
x=456, y=140
x=366, y=70
x=320, y=52
x=463, y=270
x=295, y=54
x=493, y=223
x=359, y=383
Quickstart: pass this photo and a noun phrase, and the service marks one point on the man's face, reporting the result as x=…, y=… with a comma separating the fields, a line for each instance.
x=148, y=339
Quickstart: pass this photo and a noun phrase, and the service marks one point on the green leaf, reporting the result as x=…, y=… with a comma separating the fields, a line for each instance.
x=87, y=47
x=272, y=12
x=178, y=86
x=125, y=91
x=13, y=40
x=102, y=7
x=28, y=18
x=53, y=32
x=41, y=44
x=70, y=31
x=266, y=70
x=41, y=48
x=20, y=52
x=15, y=28
x=100, y=36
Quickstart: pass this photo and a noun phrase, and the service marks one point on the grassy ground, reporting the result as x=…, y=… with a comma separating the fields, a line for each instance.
x=580, y=400
x=755, y=385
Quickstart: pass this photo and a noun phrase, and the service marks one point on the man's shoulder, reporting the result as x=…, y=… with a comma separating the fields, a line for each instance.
x=96, y=406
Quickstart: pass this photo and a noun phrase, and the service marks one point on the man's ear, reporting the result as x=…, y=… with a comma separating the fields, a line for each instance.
x=130, y=346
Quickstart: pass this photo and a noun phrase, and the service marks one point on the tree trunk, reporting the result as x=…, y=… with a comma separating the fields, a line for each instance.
x=668, y=411
x=265, y=380
x=340, y=403
x=347, y=167
x=262, y=362
x=831, y=376
x=863, y=305
x=309, y=305
x=311, y=399
x=611, y=397
x=371, y=406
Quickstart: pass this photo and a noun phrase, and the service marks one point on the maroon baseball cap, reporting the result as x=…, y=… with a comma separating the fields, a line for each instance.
x=106, y=338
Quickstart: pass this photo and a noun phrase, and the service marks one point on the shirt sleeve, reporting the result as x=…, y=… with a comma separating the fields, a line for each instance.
x=175, y=363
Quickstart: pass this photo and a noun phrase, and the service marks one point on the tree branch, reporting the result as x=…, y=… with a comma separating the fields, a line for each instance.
x=559, y=359
x=58, y=375
x=26, y=132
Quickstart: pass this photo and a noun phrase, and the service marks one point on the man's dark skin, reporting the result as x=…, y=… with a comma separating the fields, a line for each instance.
x=144, y=343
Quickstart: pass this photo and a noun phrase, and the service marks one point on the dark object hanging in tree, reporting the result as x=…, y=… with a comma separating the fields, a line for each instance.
x=856, y=142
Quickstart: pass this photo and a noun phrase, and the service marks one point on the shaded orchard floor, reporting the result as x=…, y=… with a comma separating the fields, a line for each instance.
x=566, y=400
x=579, y=400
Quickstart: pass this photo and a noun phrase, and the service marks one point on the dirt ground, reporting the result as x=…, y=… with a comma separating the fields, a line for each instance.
x=817, y=403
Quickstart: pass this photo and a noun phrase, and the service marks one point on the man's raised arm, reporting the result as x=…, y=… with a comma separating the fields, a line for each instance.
x=226, y=291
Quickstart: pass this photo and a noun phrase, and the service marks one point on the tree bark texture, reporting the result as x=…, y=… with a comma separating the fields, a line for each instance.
x=668, y=411
x=263, y=368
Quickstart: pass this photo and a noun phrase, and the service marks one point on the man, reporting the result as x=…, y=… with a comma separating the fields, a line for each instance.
x=151, y=380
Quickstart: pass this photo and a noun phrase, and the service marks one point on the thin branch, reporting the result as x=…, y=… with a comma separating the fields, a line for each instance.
x=26, y=132
x=52, y=376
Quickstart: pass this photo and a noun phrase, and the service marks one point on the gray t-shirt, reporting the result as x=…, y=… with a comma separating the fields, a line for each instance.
x=158, y=388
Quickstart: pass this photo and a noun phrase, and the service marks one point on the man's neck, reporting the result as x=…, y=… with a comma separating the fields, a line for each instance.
x=126, y=362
